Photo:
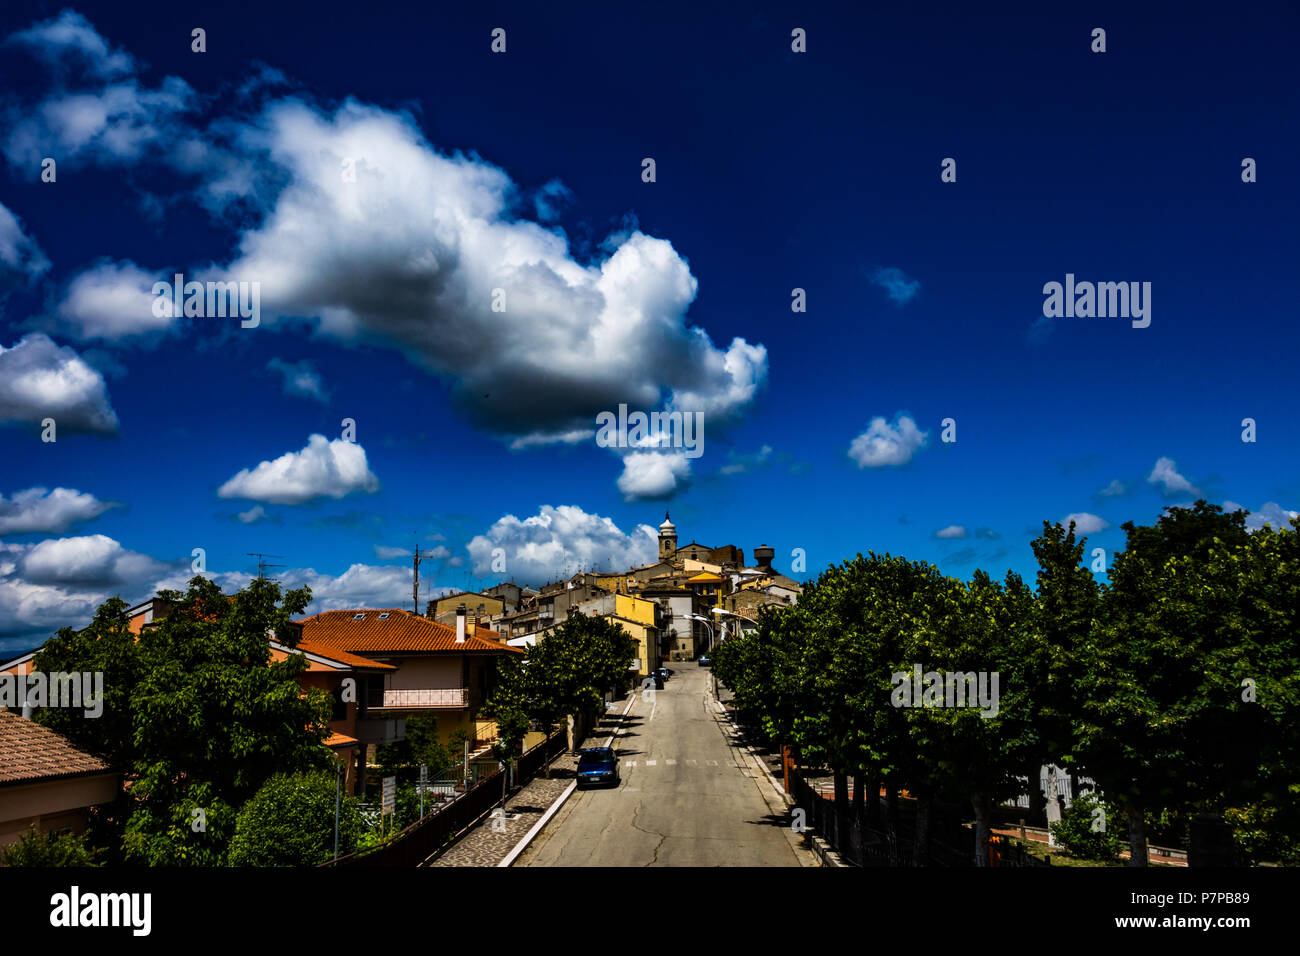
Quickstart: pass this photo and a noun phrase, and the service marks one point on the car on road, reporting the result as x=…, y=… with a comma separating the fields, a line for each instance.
x=704, y=661
x=653, y=681
x=663, y=672
x=598, y=766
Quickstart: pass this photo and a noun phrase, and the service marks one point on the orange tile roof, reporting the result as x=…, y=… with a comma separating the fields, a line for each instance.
x=402, y=631
x=340, y=740
x=30, y=753
x=310, y=646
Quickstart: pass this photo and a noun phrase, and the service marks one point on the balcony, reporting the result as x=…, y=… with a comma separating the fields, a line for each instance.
x=419, y=698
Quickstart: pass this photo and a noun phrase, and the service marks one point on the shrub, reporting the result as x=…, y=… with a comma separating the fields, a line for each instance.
x=1078, y=833
x=47, y=849
x=290, y=822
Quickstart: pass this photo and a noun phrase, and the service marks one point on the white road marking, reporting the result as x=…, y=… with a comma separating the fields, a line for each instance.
x=690, y=763
x=713, y=763
x=670, y=762
x=651, y=763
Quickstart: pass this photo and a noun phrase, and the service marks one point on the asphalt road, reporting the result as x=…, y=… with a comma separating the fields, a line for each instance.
x=687, y=798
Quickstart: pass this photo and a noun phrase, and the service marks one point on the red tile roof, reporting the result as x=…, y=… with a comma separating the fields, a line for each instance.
x=30, y=753
x=309, y=646
x=401, y=631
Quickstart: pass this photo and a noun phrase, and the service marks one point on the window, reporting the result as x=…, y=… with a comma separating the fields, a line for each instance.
x=384, y=616
x=358, y=617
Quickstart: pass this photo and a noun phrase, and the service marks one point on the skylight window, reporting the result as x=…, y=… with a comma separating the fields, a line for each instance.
x=358, y=617
x=384, y=616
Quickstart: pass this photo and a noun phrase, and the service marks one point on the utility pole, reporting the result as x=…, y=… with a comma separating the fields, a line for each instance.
x=415, y=582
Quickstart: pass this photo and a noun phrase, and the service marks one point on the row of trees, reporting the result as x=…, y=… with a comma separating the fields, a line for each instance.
x=565, y=675
x=1175, y=684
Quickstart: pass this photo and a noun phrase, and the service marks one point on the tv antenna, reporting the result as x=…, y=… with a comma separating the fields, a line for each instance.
x=262, y=565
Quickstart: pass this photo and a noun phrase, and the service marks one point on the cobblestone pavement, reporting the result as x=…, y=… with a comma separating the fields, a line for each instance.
x=483, y=846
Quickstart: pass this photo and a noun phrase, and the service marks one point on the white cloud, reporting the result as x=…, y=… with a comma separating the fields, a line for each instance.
x=19, y=252
x=39, y=379
x=45, y=511
x=952, y=531
x=882, y=444
x=112, y=300
x=1165, y=473
x=557, y=540
x=1270, y=512
x=299, y=378
x=385, y=553
x=323, y=469
x=1084, y=523
x=252, y=515
x=538, y=439
x=1115, y=488
x=94, y=561
x=653, y=475
x=411, y=252
x=71, y=35
x=96, y=107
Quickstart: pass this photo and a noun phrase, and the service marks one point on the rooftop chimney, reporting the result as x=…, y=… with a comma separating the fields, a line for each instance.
x=460, y=624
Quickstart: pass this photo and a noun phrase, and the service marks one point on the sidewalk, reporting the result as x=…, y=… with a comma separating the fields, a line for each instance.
x=484, y=846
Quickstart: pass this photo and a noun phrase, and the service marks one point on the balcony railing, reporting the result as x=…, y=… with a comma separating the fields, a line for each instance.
x=421, y=697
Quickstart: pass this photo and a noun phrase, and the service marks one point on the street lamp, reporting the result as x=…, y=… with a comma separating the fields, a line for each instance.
x=706, y=622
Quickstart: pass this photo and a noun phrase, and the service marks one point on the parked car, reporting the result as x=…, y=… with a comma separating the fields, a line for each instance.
x=653, y=680
x=705, y=661
x=663, y=672
x=596, y=766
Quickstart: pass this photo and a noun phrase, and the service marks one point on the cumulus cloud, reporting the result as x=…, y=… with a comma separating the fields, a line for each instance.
x=19, y=254
x=92, y=561
x=885, y=444
x=952, y=531
x=39, y=380
x=1114, y=489
x=560, y=540
x=323, y=469
x=409, y=255
x=1269, y=513
x=1084, y=523
x=653, y=475
x=299, y=378
x=40, y=510
x=1165, y=473
x=110, y=301
x=896, y=283
x=96, y=107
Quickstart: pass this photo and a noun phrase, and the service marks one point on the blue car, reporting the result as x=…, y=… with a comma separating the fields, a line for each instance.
x=596, y=766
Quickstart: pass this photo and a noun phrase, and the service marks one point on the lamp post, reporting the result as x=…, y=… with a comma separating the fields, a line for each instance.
x=706, y=622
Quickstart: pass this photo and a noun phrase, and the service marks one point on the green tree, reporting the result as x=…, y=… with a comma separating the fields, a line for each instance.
x=214, y=718
x=290, y=822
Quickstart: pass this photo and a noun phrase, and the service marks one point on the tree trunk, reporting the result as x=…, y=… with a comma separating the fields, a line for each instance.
x=873, y=800
x=981, y=804
x=858, y=787
x=921, y=845
x=891, y=806
x=1211, y=842
x=1137, y=835
x=841, y=792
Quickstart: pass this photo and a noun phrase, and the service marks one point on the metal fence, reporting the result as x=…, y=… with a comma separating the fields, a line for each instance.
x=415, y=844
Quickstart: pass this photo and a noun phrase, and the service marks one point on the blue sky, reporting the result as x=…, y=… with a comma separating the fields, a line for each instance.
x=522, y=171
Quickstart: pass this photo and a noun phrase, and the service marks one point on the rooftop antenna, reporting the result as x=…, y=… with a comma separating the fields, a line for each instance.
x=262, y=565
x=415, y=579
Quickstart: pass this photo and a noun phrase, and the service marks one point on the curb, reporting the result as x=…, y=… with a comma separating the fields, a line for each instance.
x=554, y=807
